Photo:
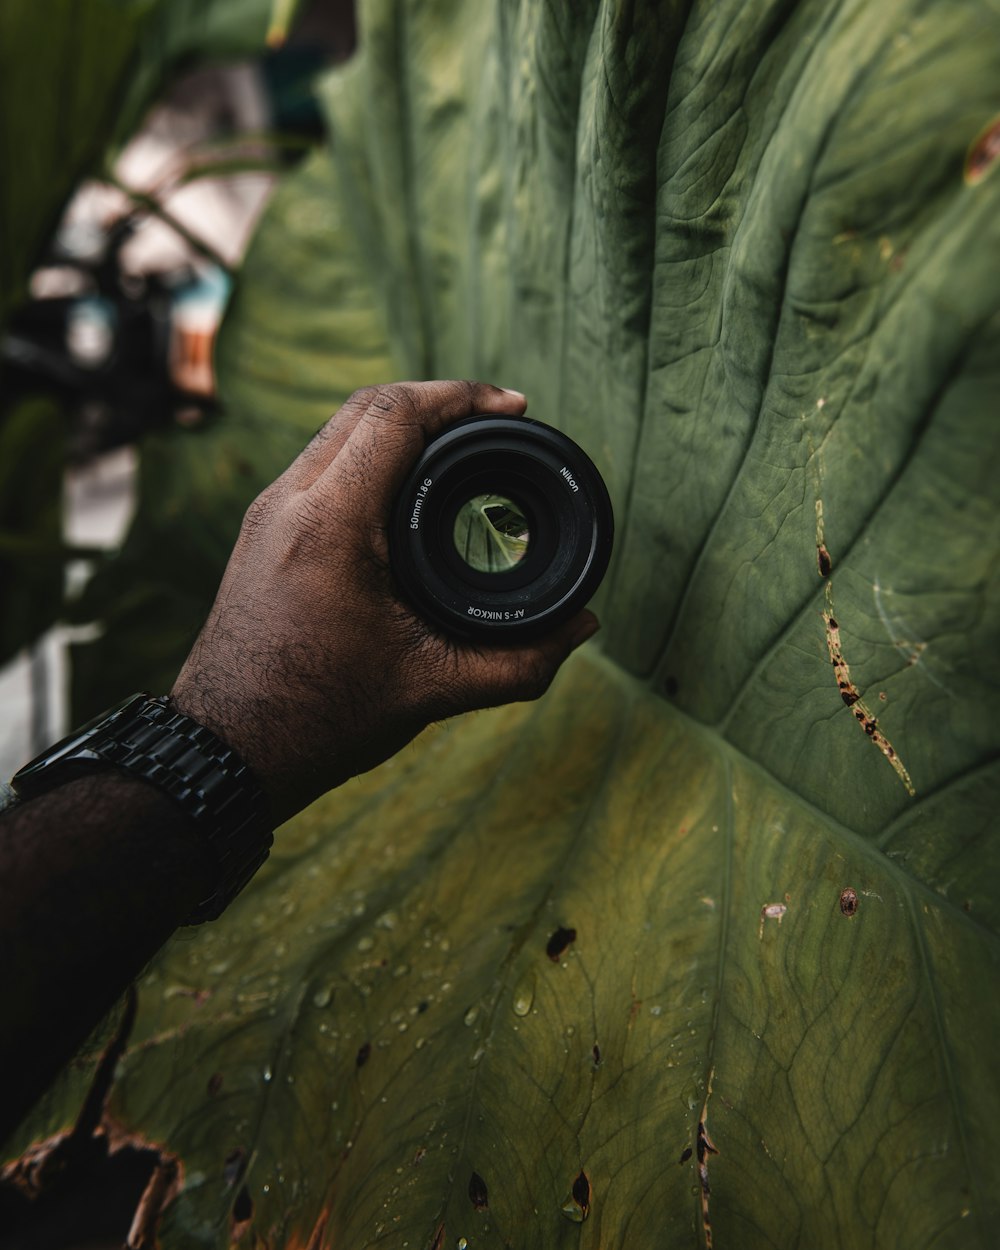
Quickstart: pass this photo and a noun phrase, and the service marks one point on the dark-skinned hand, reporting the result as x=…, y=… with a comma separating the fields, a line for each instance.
x=309, y=664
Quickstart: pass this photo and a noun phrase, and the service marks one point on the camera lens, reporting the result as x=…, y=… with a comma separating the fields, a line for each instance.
x=502, y=530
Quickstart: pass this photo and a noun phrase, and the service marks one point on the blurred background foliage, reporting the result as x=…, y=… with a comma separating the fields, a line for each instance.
x=76, y=82
x=747, y=255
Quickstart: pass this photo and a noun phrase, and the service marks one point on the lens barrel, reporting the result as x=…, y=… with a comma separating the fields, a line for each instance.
x=502, y=530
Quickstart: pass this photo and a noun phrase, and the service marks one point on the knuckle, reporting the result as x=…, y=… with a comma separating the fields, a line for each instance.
x=363, y=397
x=258, y=515
x=395, y=401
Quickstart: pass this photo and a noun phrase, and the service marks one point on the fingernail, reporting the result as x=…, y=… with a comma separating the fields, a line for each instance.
x=507, y=391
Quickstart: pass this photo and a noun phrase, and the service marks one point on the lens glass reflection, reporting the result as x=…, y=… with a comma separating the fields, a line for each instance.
x=491, y=533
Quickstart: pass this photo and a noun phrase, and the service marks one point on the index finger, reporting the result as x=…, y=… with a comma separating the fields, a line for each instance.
x=393, y=429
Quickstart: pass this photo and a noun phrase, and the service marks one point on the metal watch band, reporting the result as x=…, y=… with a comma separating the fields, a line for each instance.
x=149, y=739
x=208, y=779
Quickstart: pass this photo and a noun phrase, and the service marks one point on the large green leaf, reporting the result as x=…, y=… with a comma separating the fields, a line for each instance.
x=748, y=256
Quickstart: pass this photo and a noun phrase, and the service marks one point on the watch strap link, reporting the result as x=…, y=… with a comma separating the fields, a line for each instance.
x=206, y=778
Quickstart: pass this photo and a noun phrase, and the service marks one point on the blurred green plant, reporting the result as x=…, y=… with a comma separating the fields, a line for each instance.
x=75, y=80
x=704, y=947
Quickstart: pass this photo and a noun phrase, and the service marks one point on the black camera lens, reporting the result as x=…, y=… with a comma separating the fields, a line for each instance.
x=502, y=530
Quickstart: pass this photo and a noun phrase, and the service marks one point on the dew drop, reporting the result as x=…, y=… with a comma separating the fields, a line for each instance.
x=524, y=995
x=366, y=943
x=267, y=1073
x=470, y=1017
x=656, y=1011
x=322, y=998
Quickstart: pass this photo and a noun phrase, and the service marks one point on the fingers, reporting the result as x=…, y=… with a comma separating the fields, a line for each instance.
x=386, y=430
x=328, y=440
x=512, y=675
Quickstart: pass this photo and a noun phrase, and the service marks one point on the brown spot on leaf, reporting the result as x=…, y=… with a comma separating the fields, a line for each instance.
x=597, y=1055
x=558, y=942
x=849, y=901
x=705, y=1148
x=478, y=1193
x=581, y=1192
x=94, y=1182
x=851, y=695
x=438, y=1240
x=243, y=1207
x=704, y=1143
x=982, y=153
x=363, y=1055
x=234, y=1167
x=214, y=1084
x=316, y=1237
x=823, y=561
x=685, y=1155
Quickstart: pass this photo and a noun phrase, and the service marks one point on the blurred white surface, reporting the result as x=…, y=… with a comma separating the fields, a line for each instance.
x=34, y=688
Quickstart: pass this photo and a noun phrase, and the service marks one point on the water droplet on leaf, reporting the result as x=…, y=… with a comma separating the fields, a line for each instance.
x=524, y=995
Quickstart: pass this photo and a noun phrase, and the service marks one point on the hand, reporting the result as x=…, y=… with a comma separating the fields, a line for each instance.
x=309, y=664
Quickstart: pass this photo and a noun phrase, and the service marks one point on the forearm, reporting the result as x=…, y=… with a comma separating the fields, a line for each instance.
x=97, y=874
x=309, y=669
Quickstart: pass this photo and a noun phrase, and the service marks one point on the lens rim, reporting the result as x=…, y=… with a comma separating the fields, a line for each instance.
x=570, y=521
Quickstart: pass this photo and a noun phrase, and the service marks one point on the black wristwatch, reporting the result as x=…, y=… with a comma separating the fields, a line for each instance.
x=146, y=738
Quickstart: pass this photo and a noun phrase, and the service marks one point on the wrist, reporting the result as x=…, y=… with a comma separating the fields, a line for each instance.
x=255, y=727
x=150, y=741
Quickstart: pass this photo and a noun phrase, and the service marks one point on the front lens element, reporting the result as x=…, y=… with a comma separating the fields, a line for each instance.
x=491, y=533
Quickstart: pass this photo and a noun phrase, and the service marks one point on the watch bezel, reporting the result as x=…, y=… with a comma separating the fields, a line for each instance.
x=51, y=765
